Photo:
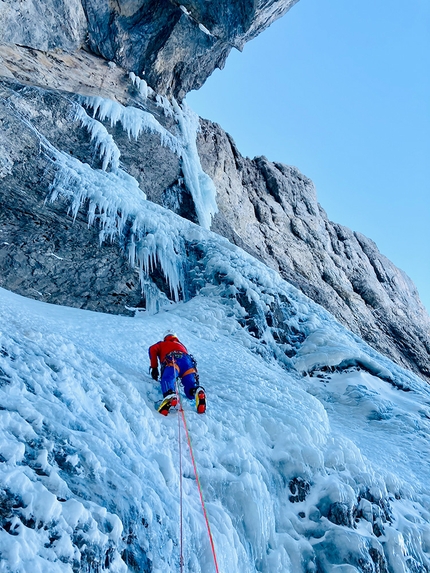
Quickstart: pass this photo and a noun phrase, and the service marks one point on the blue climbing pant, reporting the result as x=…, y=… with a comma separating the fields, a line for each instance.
x=178, y=365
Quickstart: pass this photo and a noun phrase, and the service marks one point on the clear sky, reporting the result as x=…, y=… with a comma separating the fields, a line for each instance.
x=341, y=90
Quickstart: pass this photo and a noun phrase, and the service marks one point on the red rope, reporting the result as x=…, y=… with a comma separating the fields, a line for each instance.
x=198, y=485
x=181, y=521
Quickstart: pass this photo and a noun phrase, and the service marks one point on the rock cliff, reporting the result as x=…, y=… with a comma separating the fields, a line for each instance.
x=89, y=151
x=266, y=208
x=271, y=210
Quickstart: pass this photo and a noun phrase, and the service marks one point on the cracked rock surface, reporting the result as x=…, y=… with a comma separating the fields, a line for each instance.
x=271, y=210
x=174, y=45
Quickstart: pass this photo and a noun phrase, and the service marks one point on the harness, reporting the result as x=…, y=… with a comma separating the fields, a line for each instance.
x=170, y=360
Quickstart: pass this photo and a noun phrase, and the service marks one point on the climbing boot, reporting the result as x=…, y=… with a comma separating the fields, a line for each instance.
x=169, y=401
x=200, y=400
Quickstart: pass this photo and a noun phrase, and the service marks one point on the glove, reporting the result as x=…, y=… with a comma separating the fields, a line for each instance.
x=154, y=373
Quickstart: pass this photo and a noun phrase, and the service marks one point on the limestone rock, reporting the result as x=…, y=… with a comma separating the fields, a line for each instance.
x=175, y=46
x=45, y=253
x=271, y=210
x=43, y=24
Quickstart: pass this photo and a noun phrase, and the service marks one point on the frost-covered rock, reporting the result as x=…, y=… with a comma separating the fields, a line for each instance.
x=57, y=144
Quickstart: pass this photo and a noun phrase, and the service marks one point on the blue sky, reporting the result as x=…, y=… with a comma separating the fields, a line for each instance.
x=341, y=90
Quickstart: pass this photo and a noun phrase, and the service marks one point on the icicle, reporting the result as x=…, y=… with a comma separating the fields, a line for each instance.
x=164, y=103
x=199, y=184
x=133, y=120
x=140, y=84
x=116, y=201
x=104, y=142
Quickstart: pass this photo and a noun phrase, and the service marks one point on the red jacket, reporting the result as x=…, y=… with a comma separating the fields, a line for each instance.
x=161, y=349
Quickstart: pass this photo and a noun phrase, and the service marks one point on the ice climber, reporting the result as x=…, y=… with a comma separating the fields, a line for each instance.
x=175, y=362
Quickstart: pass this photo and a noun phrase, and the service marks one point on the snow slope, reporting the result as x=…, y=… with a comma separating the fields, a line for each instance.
x=89, y=471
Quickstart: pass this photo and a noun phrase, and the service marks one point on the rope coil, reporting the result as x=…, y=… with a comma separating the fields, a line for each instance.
x=205, y=514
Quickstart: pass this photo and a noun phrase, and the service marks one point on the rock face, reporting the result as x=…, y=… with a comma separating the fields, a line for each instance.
x=266, y=208
x=175, y=46
x=271, y=210
x=43, y=24
x=44, y=254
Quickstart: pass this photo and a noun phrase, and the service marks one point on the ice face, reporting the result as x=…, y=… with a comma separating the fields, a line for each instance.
x=200, y=185
x=293, y=482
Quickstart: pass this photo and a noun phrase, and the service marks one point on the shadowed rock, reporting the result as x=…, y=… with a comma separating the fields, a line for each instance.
x=175, y=46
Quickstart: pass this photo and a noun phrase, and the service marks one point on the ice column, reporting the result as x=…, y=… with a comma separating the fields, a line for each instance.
x=199, y=184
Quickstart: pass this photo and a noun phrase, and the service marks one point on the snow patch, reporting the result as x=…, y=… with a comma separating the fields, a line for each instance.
x=321, y=350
